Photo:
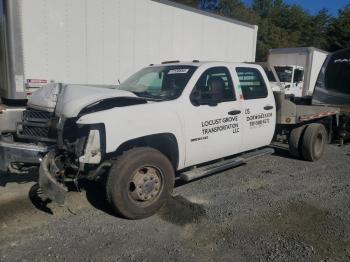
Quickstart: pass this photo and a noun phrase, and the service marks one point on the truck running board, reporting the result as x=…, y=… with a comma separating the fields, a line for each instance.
x=224, y=165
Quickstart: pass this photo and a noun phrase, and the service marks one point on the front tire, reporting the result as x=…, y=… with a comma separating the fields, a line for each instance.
x=139, y=183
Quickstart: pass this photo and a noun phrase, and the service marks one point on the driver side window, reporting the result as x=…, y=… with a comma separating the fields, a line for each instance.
x=213, y=87
x=298, y=75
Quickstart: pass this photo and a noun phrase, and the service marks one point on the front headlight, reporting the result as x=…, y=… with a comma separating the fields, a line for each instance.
x=92, y=152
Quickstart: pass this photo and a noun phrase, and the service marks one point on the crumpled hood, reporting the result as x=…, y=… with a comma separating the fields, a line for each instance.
x=45, y=98
x=69, y=100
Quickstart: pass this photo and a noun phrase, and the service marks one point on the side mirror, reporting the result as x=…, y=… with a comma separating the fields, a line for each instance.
x=196, y=98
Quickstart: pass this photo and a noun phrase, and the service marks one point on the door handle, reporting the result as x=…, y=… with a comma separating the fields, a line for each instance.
x=234, y=112
x=268, y=107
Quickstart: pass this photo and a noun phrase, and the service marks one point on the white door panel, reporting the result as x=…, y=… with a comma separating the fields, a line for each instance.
x=258, y=124
x=258, y=108
x=213, y=118
x=211, y=133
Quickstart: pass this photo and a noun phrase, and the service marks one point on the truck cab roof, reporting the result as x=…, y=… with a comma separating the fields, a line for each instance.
x=197, y=63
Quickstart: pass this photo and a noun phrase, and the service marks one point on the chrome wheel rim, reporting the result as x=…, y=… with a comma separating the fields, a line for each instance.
x=145, y=185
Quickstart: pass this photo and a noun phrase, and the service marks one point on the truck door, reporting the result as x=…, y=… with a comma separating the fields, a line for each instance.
x=213, y=118
x=298, y=82
x=258, y=106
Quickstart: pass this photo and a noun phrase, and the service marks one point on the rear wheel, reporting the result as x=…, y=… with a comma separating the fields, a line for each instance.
x=139, y=183
x=295, y=141
x=314, y=142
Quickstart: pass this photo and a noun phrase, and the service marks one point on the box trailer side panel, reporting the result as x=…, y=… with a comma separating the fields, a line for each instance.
x=11, y=60
x=99, y=42
x=283, y=59
x=318, y=59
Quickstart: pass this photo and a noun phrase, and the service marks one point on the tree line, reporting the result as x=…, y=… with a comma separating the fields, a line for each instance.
x=284, y=25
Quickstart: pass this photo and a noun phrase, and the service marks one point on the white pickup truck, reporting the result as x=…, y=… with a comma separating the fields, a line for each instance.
x=166, y=122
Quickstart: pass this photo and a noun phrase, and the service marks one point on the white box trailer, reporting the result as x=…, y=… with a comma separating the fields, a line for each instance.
x=99, y=42
x=297, y=69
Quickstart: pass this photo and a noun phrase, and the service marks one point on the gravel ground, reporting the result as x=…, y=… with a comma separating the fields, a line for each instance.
x=275, y=208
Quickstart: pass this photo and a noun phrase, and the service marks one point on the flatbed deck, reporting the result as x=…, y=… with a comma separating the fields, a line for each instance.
x=290, y=113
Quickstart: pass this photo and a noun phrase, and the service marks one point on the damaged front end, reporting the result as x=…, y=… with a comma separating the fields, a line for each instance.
x=79, y=151
x=52, y=178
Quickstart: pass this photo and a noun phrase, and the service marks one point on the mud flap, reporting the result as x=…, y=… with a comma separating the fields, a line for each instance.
x=50, y=187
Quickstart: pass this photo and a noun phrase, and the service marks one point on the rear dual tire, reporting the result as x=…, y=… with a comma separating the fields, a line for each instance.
x=295, y=141
x=308, y=142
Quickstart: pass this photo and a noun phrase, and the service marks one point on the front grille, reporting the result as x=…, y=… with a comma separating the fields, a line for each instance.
x=35, y=131
x=36, y=115
x=37, y=125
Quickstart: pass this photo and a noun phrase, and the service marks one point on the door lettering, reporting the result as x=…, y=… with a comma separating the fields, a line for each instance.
x=220, y=124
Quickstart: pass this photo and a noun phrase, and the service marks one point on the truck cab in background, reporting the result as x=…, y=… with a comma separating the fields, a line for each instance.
x=291, y=78
x=296, y=69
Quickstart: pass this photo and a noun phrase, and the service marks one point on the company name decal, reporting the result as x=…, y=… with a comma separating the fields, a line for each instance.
x=220, y=125
x=258, y=120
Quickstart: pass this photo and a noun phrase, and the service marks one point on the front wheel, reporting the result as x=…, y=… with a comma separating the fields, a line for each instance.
x=139, y=183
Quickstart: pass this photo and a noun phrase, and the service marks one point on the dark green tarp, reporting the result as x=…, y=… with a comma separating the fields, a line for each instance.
x=333, y=85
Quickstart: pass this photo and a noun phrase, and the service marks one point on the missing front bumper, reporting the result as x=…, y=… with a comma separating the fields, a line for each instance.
x=14, y=152
x=51, y=188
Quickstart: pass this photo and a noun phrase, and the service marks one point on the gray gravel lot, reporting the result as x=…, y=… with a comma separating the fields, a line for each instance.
x=274, y=208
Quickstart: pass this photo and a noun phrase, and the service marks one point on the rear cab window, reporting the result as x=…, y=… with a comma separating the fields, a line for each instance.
x=252, y=83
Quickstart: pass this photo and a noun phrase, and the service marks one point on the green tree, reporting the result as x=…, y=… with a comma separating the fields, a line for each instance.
x=316, y=31
x=339, y=30
x=282, y=25
x=263, y=7
x=237, y=10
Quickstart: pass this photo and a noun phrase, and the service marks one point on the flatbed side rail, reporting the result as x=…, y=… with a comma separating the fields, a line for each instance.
x=333, y=111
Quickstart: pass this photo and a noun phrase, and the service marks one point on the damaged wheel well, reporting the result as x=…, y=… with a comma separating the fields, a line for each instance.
x=166, y=143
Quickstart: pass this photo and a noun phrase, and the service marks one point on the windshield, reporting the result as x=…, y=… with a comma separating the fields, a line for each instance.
x=159, y=83
x=284, y=73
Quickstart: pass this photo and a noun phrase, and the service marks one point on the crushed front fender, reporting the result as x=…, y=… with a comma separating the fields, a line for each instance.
x=53, y=189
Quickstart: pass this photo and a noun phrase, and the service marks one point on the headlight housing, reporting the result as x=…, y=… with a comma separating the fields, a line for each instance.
x=92, y=151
